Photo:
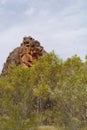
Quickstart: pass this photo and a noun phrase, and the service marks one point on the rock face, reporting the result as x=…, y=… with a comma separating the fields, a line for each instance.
x=26, y=55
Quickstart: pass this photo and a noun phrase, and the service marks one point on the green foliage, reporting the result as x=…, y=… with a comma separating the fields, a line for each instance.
x=52, y=92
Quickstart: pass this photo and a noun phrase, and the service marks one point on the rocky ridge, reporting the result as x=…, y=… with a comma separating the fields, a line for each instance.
x=26, y=55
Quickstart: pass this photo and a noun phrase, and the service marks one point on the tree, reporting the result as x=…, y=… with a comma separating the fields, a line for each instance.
x=44, y=78
x=16, y=100
x=71, y=94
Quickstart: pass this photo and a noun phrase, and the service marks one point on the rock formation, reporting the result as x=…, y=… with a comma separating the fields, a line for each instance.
x=26, y=55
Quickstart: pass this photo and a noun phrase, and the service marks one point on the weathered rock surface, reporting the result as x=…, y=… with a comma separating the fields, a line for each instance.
x=26, y=55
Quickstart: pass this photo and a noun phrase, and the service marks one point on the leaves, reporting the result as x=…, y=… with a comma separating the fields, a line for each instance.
x=51, y=91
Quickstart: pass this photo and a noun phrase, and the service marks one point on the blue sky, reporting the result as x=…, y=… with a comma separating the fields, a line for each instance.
x=60, y=25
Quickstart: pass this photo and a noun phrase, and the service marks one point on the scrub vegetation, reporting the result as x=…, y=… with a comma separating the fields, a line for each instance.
x=51, y=95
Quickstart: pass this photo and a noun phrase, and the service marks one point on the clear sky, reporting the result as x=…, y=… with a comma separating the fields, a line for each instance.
x=60, y=25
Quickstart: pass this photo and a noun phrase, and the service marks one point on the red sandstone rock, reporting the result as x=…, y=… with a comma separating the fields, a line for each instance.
x=25, y=55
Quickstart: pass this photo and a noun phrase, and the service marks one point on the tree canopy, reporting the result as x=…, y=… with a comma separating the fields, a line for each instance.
x=52, y=91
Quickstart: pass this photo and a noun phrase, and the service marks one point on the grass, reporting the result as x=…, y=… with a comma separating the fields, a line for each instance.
x=47, y=128
x=53, y=128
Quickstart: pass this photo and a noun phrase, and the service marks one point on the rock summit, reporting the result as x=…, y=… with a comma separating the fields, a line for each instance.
x=26, y=54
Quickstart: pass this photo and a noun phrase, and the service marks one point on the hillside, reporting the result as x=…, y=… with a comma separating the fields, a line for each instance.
x=40, y=91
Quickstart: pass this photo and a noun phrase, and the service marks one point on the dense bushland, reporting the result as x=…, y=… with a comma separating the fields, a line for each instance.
x=52, y=92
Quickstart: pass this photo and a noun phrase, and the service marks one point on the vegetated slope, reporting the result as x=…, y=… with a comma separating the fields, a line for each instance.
x=52, y=92
x=29, y=52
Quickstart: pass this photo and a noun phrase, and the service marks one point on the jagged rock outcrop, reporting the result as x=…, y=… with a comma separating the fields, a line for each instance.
x=26, y=55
